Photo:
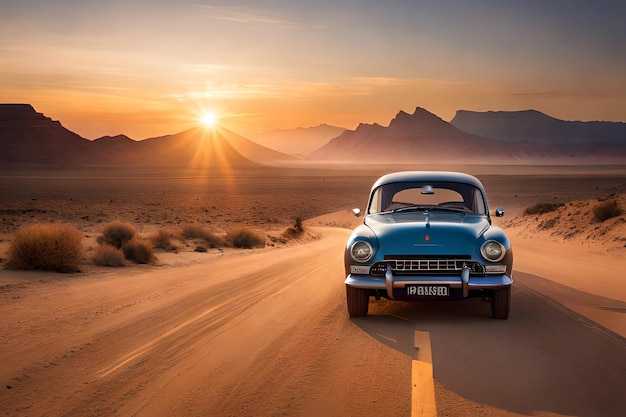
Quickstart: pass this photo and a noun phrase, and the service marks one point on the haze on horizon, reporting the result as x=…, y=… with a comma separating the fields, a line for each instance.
x=152, y=67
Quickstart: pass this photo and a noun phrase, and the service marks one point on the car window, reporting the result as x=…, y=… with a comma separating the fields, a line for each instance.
x=415, y=196
x=443, y=195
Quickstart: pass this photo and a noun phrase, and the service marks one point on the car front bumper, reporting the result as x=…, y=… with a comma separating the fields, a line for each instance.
x=463, y=282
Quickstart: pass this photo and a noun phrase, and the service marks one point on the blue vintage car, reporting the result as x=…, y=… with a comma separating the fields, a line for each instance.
x=428, y=236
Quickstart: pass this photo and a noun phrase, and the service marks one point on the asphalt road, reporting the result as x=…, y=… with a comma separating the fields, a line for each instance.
x=267, y=334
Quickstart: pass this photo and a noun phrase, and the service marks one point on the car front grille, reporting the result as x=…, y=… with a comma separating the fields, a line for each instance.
x=437, y=265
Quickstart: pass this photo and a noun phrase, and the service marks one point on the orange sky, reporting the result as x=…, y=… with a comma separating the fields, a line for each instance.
x=151, y=67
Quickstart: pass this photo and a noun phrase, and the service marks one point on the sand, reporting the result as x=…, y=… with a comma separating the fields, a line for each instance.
x=265, y=332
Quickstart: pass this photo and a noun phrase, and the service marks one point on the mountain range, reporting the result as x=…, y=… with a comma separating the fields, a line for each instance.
x=29, y=139
x=533, y=126
x=417, y=137
x=522, y=137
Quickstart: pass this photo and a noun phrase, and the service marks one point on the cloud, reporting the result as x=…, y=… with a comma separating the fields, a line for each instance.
x=247, y=15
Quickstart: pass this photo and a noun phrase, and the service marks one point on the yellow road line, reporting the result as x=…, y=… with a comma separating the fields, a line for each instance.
x=423, y=385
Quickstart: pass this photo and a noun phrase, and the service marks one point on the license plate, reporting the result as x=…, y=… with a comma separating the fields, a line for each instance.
x=428, y=290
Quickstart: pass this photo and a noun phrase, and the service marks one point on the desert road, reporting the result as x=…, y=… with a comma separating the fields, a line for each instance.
x=266, y=333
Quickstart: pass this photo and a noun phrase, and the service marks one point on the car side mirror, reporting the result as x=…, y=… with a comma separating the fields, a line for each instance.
x=356, y=212
x=499, y=212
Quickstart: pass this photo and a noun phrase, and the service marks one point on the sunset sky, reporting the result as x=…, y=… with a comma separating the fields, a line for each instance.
x=152, y=67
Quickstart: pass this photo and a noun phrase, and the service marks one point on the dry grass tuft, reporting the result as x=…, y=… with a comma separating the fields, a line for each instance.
x=294, y=231
x=50, y=247
x=139, y=251
x=606, y=210
x=162, y=239
x=543, y=208
x=116, y=234
x=244, y=238
x=107, y=255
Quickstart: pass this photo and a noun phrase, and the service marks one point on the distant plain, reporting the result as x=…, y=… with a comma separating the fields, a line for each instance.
x=263, y=198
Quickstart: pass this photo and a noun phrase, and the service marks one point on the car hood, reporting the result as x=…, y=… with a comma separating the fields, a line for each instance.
x=427, y=233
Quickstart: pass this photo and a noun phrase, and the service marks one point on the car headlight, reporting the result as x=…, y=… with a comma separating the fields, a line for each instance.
x=361, y=251
x=493, y=251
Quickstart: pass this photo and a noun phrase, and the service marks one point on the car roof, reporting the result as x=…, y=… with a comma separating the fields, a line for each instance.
x=421, y=176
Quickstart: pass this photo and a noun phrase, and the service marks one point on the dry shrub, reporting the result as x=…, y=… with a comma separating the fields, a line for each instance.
x=197, y=232
x=294, y=231
x=245, y=238
x=162, y=239
x=117, y=234
x=543, y=208
x=139, y=251
x=49, y=247
x=107, y=255
x=606, y=210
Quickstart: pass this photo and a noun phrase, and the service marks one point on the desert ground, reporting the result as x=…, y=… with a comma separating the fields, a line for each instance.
x=265, y=332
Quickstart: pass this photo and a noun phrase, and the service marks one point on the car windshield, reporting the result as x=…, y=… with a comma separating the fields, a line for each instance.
x=450, y=196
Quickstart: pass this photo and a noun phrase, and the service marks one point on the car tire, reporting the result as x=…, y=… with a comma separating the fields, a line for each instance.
x=501, y=303
x=358, y=301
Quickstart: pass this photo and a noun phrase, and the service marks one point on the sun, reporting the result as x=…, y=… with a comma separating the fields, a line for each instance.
x=209, y=119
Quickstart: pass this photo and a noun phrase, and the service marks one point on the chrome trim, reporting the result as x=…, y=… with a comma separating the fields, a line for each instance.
x=418, y=266
x=465, y=279
x=502, y=247
x=389, y=281
x=371, y=251
x=454, y=281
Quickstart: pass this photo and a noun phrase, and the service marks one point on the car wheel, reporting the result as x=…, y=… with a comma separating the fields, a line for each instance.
x=501, y=303
x=358, y=301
